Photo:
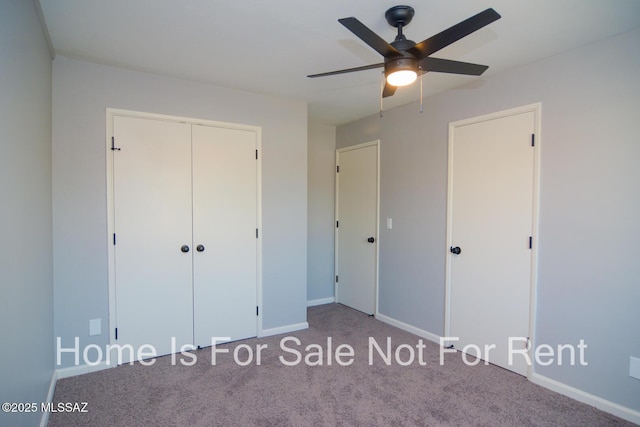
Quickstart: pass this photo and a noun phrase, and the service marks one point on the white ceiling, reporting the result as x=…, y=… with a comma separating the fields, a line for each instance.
x=270, y=46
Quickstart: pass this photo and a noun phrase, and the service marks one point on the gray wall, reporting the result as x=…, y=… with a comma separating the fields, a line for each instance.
x=320, y=206
x=81, y=93
x=26, y=277
x=589, y=206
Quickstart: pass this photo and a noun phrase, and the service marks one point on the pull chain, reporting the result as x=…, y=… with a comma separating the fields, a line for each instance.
x=421, y=74
x=381, y=92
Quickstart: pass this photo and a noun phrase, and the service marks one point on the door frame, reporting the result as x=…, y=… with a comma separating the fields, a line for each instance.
x=375, y=143
x=536, y=108
x=113, y=112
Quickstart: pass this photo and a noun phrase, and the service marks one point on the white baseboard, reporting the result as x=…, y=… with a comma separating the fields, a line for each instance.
x=284, y=329
x=81, y=369
x=406, y=327
x=44, y=420
x=320, y=301
x=584, y=397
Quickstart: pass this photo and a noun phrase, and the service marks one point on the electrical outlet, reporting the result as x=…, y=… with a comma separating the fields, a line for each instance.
x=389, y=223
x=95, y=326
x=634, y=367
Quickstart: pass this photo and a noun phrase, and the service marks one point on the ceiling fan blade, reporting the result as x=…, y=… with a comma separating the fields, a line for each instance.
x=369, y=37
x=388, y=90
x=453, y=34
x=455, y=67
x=348, y=70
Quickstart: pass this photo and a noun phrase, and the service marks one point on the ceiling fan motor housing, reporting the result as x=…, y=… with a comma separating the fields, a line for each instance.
x=400, y=16
x=403, y=63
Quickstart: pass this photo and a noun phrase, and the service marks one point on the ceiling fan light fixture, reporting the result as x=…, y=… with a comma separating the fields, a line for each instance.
x=402, y=77
x=401, y=72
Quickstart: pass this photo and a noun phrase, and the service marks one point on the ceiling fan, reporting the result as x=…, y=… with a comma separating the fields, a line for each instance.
x=404, y=59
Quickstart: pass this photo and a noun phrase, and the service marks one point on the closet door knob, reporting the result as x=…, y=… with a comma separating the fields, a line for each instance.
x=200, y=248
x=185, y=248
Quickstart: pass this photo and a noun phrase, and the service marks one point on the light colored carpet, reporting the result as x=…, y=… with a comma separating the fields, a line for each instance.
x=273, y=394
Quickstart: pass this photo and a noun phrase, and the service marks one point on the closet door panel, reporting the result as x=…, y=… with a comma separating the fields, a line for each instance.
x=224, y=224
x=152, y=221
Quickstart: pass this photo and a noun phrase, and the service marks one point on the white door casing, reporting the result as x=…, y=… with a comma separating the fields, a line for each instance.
x=493, y=181
x=357, y=222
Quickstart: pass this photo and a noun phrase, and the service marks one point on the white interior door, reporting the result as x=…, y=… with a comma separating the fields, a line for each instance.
x=491, y=221
x=152, y=211
x=357, y=231
x=224, y=233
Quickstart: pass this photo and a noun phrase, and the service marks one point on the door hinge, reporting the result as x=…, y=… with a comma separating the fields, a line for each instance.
x=533, y=139
x=114, y=239
x=256, y=233
x=113, y=144
x=256, y=154
x=530, y=242
x=338, y=169
x=336, y=278
x=116, y=333
x=257, y=311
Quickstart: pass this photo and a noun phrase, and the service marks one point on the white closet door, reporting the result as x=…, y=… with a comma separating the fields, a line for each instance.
x=152, y=211
x=224, y=223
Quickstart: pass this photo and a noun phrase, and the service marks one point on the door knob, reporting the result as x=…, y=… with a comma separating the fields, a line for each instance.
x=200, y=248
x=185, y=248
x=371, y=240
x=455, y=250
